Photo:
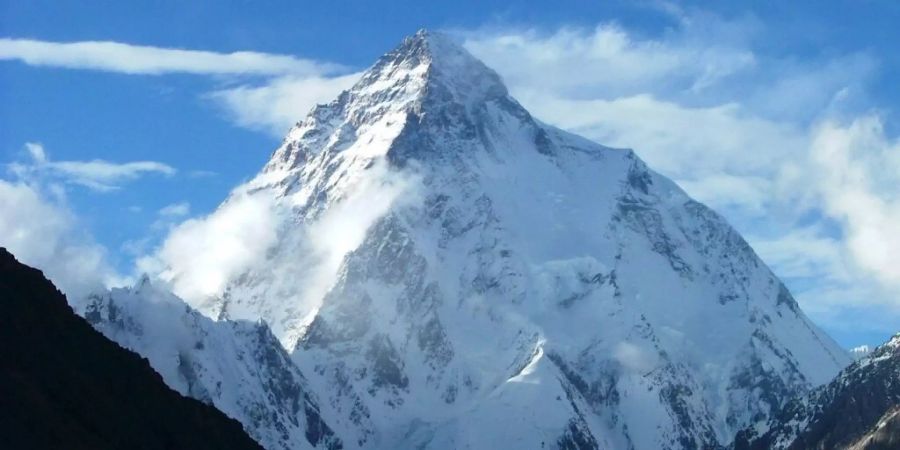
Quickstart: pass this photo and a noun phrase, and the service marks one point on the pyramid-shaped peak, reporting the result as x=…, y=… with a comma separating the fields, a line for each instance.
x=432, y=46
x=429, y=79
x=438, y=61
x=442, y=51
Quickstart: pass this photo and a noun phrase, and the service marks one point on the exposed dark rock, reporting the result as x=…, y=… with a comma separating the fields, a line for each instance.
x=386, y=363
x=577, y=438
x=857, y=410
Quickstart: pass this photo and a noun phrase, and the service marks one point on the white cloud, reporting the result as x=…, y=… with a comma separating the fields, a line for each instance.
x=804, y=253
x=40, y=231
x=175, y=210
x=343, y=227
x=634, y=358
x=704, y=148
x=200, y=255
x=290, y=87
x=858, y=172
x=98, y=175
x=608, y=59
x=142, y=59
x=276, y=105
x=104, y=175
x=37, y=152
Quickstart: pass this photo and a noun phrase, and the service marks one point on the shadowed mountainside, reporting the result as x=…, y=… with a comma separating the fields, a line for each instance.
x=859, y=409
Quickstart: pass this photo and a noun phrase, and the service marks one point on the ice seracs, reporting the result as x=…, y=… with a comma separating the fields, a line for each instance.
x=450, y=272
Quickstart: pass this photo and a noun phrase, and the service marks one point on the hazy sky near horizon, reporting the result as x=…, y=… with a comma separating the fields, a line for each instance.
x=120, y=121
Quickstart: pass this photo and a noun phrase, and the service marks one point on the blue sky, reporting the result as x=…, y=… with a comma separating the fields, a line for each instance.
x=780, y=115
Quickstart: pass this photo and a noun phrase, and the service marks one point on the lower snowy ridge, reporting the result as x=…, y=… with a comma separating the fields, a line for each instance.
x=237, y=366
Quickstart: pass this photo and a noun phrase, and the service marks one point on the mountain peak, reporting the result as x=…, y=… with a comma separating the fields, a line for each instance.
x=426, y=41
x=440, y=65
x=429, y=80
x=431, y=47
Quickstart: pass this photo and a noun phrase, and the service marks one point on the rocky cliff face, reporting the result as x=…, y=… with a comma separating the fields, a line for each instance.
x=450, y=272
x=64, y=385
x=858, y=409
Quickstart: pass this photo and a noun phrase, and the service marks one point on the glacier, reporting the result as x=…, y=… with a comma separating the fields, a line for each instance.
x=447, y=271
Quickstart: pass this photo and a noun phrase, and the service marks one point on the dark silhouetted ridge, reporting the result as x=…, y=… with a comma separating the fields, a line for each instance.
x=65, y=386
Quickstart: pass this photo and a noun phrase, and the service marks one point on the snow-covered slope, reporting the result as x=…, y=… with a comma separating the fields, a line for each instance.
x=449, y=272
x=239, y=367
x=858, y=409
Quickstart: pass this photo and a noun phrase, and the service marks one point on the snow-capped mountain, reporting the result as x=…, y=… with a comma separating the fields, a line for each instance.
x=859, y=409
x=239, y=367
x=449, y=272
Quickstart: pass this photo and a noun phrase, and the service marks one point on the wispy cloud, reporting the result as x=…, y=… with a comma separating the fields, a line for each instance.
x=98, y=175
x=175, y=210
x=202, y=173
x=610, y=59
x=279, y=103
x=285, y=87
x=38, y=226
x=141, y=59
